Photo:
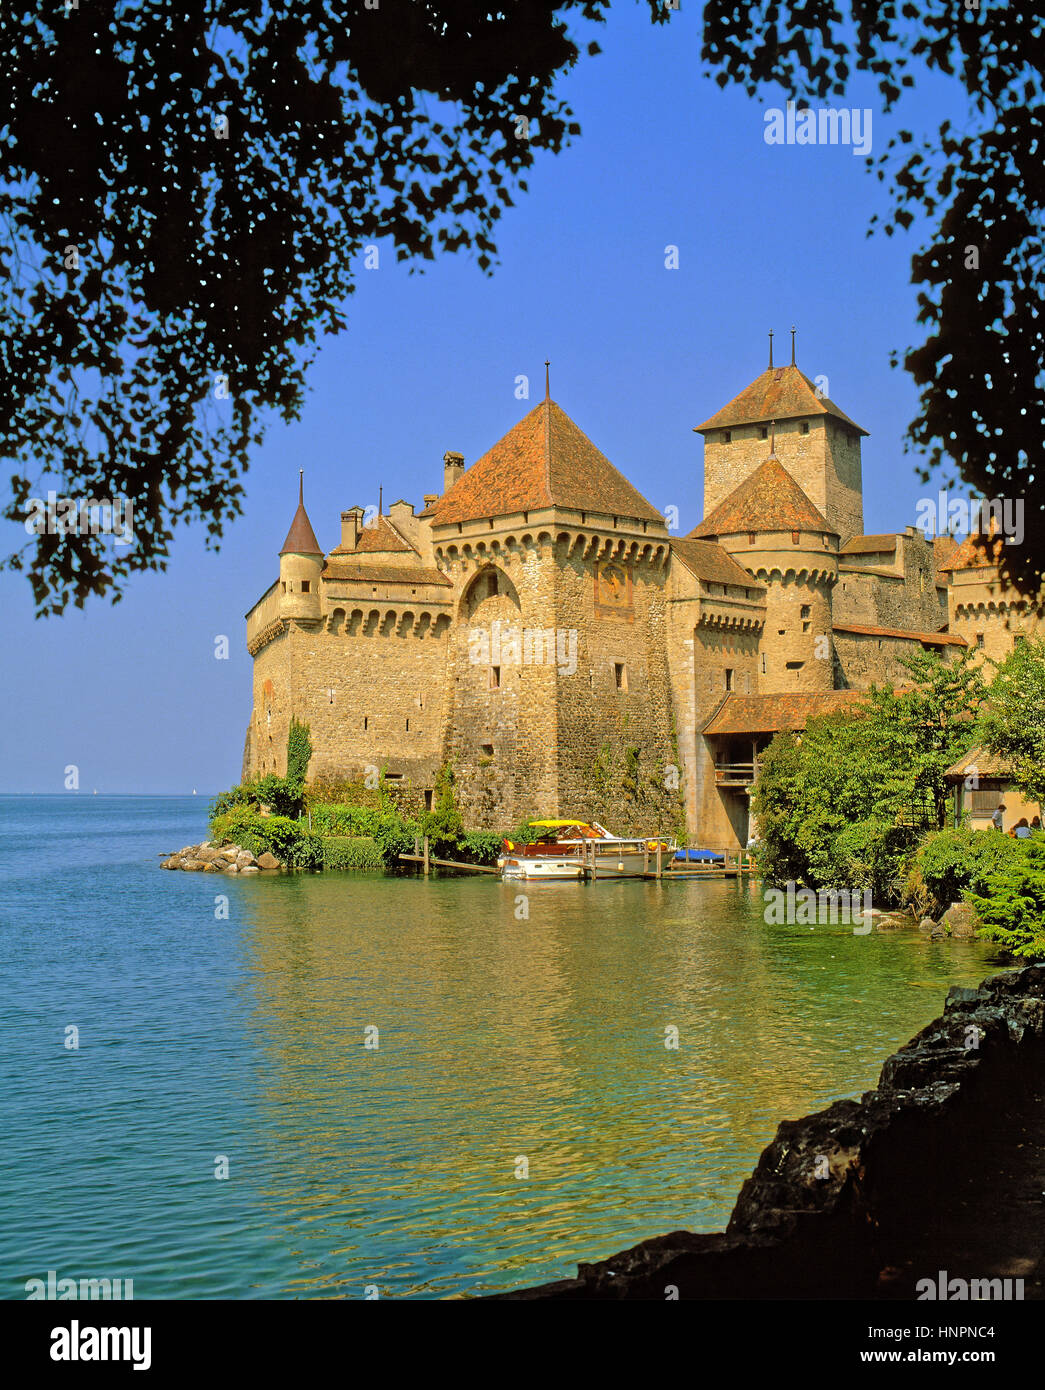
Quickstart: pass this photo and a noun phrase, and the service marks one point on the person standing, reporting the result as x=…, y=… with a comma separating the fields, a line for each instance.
x=997, y=820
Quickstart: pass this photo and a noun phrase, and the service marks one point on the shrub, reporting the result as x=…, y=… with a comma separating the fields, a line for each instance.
x=394, y=837
x=224, y=802
x=349, y=820
x=283, y=795
x=482, y=846
x=954, y=862
x=299, y=754
x=351, y=852
x=288, y=840
x=1011, y=903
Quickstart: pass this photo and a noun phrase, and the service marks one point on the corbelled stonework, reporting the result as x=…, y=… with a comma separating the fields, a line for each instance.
x=538, y=627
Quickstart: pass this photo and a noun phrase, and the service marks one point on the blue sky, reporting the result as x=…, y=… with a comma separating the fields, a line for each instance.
x=767, y=236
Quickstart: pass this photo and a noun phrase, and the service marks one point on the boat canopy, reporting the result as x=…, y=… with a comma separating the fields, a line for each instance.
x=555, y=824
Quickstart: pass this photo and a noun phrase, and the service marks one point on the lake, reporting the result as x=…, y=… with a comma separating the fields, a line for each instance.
x=503, y=1046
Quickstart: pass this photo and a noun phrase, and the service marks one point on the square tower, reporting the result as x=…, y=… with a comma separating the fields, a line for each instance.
x=816, y=442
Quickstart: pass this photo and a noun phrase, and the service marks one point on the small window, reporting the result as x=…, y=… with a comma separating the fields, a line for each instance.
x=763, y=663
x=495, y=678
x=979, y=639
x=620, y=675
x=727, y=435
x=794, y=665
x=428, y=798
x=284, y=586
x=804, y=427
x=306, y=585
x=751, y=538
x=763, y=433
x=806, y=625
x=794, y=537
x=1018, y=640
x=780, y=631
x=486, y=749
x=805, y=610
x=408, y=726
x=366, y=722
x=729, y=678
x=393, y=776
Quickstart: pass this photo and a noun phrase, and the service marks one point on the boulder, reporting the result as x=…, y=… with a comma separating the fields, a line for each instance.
x=207, y=854
x=893, y=921
x=244, y=859
x=212, y=866
x=267, y=861
x=192, y=865
x=960, y=920
x=232, y=868
x=250, y=869
x=926, y=924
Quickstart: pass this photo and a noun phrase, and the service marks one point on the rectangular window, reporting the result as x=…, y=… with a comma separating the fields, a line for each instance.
x=727, y=435
x=408, y=726
x=620, y=675
x=306, y=585
x=486, y=750
x=284, y=586
x=794, y=665
x=763, y=433
x=806, y=625
x=805, y=427
x=979, y=640
x=794, y=537
x=763, y=663
x=805, y=610
x=729, y=678
x=495, y=678
x=751, y=538
x=366, y=722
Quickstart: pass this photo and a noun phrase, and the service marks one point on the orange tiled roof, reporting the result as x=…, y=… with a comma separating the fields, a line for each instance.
x=977, y=551
x=767, y=714
x=543, y=461
x=939, y=639
x=380, y=537
x=706, y=560
x=780, y=393
x=981, y=761
x=869, y=545
x=943, y=552
x=343, y=568
x=768, y=500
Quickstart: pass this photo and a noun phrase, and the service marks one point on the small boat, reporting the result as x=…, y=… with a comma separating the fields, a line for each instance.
x=574, y=849
x=699, y=856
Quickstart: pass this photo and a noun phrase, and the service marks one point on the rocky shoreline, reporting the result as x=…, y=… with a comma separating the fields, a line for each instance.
x=941, y=1169
x=226, y=859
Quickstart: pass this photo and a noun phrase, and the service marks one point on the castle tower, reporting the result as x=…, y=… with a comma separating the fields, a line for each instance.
x=990, y=616
x=300, y=566
x=816, y=442
x=773, y=530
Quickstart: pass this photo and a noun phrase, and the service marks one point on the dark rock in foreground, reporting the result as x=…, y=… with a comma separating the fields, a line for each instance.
x=942, y=1168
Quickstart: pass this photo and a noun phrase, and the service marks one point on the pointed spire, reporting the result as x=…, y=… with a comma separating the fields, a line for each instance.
x=770, y=347
x=792, y=345
x=301, y=539
x=547, y=381
x=380, y=499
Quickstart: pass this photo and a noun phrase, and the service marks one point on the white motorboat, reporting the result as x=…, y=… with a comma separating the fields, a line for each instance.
x=575, y=849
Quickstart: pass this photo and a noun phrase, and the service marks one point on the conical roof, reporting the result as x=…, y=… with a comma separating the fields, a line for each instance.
x=301, y=539
x=543, y=461
x=780, y=393
x=768, y=500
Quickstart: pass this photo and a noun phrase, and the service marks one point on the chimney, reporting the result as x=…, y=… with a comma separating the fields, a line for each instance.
x=453, y=468
x=431, y=498
x=350, y=527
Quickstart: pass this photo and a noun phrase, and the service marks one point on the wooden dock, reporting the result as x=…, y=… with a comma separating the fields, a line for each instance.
x=735, y=864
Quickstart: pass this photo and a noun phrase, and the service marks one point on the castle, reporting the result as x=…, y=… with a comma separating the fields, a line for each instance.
x=536, y=625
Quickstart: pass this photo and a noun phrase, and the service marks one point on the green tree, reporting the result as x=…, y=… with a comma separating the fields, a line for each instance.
x=1014, y=718
x=189, y=192
x=1012, y=903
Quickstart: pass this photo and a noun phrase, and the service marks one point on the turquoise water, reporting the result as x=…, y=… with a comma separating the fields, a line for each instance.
x=499, y=1040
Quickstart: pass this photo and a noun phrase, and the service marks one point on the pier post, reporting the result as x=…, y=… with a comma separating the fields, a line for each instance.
x=645, y=862
x=658, y=855
x=426, y=856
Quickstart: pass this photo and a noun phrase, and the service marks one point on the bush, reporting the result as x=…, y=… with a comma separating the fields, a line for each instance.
x=343, y=820
x=290, y=841
x=351, y=852
x=954, y=862
x=282, y=794
x=224, y=802
x=482, y=846
x=1011, y=903
x=394, y=837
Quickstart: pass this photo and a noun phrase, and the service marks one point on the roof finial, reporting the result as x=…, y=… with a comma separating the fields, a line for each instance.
x=301, y=487
x=770, y=347
x=547, y=381
x=792, y=345
x=380, y=499
x=772, y=439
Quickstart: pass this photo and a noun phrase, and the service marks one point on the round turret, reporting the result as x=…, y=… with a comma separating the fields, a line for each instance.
x=300, y=566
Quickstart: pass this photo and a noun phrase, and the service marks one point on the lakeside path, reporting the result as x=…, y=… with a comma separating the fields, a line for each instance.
x=938, y=1175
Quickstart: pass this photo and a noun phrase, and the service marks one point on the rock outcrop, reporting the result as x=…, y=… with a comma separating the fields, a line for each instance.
x=938, y=1169
x=224, y=859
